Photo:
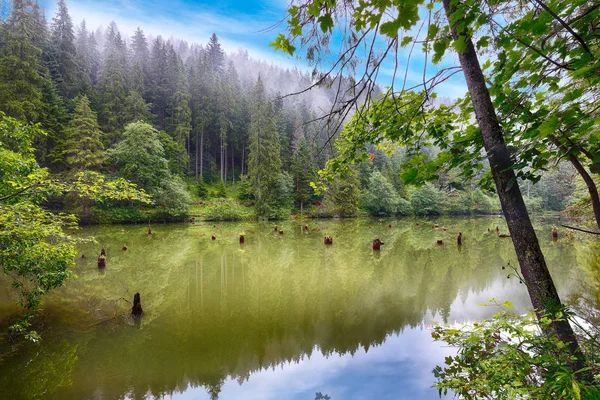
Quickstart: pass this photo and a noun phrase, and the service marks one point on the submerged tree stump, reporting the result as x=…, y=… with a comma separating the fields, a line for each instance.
x=377, y=243
x=328, y=240
x=136, y=310
x=149, y=231
x=554, y=234
x=101, y=261
x=242, y=239
x=459, y=239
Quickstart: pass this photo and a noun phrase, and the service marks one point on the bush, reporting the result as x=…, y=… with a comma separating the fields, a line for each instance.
x=226, y=211
x=381, y=198
x=426, y=200
x=130, y=215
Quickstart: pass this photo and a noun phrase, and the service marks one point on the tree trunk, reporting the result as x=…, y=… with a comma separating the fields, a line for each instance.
x=189, y=151
x=542, y=291
x=589, y=181
x=243, y=157
x=197, y=157
x=232, y=165
x=202, y=153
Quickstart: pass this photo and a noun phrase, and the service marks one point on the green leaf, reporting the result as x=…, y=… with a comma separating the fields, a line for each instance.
x=326, y=22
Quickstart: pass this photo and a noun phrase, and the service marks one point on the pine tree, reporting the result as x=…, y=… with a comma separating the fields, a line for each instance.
x=21, y=82
x=140, y=52
x=158, y=84
x=83, y=149
x=303, y=173
x=113, y=96
x=216, y=55
x=264, y=162
x=63, y=47
x=181, y=118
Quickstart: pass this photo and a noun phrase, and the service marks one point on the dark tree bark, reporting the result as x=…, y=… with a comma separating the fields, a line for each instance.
x=542, y=291
x=589, y=181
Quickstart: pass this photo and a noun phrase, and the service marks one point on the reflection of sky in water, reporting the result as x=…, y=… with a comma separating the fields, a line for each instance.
x=398, y=369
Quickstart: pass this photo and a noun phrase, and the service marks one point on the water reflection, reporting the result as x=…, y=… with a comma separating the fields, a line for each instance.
x=282, y=316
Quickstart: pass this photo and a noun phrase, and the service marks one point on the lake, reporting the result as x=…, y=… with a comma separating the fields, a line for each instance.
x=278, y=317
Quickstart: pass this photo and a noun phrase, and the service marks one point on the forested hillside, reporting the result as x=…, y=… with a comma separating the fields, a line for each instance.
x=187, y=121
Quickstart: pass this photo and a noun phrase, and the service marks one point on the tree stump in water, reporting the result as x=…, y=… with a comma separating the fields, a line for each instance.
x=242, y=239
x=136, y=310
x=554, y=234
x=103, y=252
x=459, y=239
x=275, y=229
x=214, y=237
x=440, y=242
x=149, y=231
x=377, y=243
x=101, y=261
x=328, y=240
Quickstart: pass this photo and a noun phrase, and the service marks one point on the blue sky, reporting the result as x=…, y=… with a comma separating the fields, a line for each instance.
x=237, y=23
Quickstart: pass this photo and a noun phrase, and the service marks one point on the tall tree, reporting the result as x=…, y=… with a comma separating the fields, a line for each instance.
x=83, y=149
x=113, y=95
x=216, y=55
x=264, y=162
x=67, y=77
x=303, y=173
x=21, y=74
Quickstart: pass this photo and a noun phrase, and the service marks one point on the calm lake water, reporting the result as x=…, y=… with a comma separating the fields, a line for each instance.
x=279, y=317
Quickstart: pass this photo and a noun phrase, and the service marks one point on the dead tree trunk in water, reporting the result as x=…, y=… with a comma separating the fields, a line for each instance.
x=542, y=291
x=136, y=310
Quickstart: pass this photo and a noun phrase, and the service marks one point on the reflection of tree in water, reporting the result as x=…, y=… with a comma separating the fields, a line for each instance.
x=218, y=311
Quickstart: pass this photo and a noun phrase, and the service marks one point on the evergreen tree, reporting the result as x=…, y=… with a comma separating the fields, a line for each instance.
x=157, y=87
x=216, y=55
x=264, y=162
x=84, y=55
x=181, y=118
x=21, y=82
x=140, y=52
x=63, y=46
x=303, y=173
x=113, y=96
x=83, y=149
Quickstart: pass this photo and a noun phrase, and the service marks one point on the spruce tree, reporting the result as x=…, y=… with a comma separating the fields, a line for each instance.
x=113, y=96
x=65, y=54
x=303, y=173
x=216, y=55
x=264, y=162
x=21, y=82
x=83, y=149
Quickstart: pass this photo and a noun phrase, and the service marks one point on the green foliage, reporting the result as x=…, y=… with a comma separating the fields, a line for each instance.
x=381, y=198
x=264, y=162
x=244, y=187
x=303, y=173
x=140, y=156
x=343, y=196
x=83, y=149
x=426, y=200
x=35, y=247
x=508, y=357
x=225, y=210
x=129, y=215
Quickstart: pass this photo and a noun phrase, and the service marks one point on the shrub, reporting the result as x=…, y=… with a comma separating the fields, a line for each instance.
x=426, y=200
x=226, y=211
x=381, y=198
